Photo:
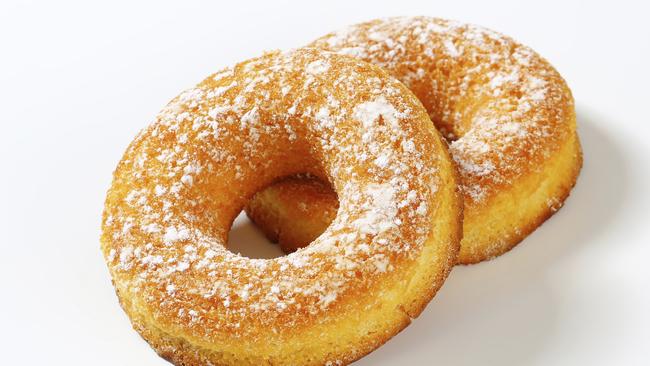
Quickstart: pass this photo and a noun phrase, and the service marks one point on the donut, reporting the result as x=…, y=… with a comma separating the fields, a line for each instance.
x=507, y=114
x=185, y=177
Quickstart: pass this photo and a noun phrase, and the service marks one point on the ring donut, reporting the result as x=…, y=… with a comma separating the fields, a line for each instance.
x=184, y=179
x=507, y=114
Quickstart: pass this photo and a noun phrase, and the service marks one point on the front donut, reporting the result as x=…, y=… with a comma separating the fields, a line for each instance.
x=184, y=179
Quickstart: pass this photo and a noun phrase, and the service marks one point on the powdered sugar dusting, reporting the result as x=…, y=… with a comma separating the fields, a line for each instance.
x=382, y=214
x=369, y=112
x=166, y=227
x=447, y=64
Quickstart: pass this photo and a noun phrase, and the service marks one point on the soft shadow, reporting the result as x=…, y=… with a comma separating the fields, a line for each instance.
x=504, y=312
x=249, y=241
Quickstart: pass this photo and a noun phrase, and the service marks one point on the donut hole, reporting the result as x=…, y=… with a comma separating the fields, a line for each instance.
x=254, y=237
x=247, y=240
x=222, y=216
x=303, y=199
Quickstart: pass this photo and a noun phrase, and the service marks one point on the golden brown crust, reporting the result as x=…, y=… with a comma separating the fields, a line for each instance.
x=558, y=178
x=506, y=110
x=183, y=180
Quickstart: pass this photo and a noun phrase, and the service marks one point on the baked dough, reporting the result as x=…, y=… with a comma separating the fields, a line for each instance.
x=185, y=178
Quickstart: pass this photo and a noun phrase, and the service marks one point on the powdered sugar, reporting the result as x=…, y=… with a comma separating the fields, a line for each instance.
x=382, y=213
x=317, y=67
x=369, y=112
x=166, y=235
x=172, y=234
x=512, y=81
x=451, y=48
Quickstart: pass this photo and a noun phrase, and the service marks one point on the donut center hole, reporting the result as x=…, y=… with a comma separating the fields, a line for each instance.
x=248, y=240
x=294, y=211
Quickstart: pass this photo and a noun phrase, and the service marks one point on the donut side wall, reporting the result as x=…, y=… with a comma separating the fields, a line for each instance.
x=532, y=201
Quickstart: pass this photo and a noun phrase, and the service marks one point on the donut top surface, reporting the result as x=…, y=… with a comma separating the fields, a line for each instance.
x=185, y=178
x=502, y=106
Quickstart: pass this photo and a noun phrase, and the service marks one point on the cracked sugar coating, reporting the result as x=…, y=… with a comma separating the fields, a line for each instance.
x=184, y=178
x=508, y=114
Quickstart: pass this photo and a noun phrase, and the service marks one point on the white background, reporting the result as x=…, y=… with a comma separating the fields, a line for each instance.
x=78, y=80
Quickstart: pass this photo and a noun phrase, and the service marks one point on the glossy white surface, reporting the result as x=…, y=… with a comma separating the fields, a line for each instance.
x=78, y=80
